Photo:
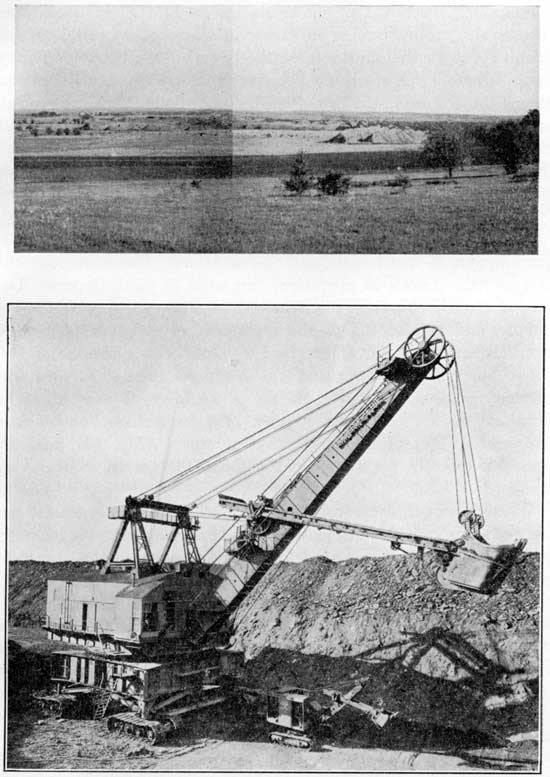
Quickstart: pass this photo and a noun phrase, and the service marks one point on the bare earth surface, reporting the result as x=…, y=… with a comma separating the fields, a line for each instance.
x=210, y=744
x=197, y=143
x=436, y=657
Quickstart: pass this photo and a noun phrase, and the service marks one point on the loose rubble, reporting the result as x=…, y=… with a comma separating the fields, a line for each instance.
x=436, y=656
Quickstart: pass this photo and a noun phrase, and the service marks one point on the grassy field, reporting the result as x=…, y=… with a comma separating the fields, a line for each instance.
x=201, y=143
x=254, y=214
x=44, y=168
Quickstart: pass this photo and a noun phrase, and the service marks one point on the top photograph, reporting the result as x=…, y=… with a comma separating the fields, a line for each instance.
x=276, y=129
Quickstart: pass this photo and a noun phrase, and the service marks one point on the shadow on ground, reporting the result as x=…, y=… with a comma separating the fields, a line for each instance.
x=471, y=711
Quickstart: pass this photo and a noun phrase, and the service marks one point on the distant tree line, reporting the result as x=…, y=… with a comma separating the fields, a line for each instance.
x=510, y=143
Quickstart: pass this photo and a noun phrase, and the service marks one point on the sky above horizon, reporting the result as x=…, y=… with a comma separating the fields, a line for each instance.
x=106, y=401
x=426, y=59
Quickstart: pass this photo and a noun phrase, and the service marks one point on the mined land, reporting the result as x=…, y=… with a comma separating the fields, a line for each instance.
x=212, y=182
x=460, y=670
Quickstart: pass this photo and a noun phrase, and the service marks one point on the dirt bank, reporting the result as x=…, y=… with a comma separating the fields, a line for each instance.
x=381, y=606
x=461, y=670
x=438, y=657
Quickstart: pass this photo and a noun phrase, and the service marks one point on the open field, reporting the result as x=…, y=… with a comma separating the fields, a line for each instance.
x=118, y=181
x=254, y=214
x=196, y=143
x=44, y=168
x=211, y=133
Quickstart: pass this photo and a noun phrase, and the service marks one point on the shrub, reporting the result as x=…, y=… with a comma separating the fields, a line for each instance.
x=66, y=131
x=333, y=183
x=401, y=180
x=59, y=131
x=300, y=178
x=49, y=130
x=76, y=131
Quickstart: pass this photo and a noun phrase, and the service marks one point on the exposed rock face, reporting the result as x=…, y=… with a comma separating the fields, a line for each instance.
x=380, y=605
x=435, y=656
x=438, y=657
x=369, y=604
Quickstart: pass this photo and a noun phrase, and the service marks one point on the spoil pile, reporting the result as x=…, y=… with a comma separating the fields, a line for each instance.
x=377, y=134
x=374, y=603
x=27, y=587
x=432, y=654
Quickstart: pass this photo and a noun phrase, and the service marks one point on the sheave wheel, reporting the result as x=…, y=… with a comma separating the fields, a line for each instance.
x=443, y=365
x=424, y=346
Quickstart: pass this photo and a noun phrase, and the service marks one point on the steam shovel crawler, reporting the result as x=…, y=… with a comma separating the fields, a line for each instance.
x=149, y=638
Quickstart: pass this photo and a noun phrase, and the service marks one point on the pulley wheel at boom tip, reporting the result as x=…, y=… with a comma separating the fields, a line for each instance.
x=446, y=360
x=424, y=346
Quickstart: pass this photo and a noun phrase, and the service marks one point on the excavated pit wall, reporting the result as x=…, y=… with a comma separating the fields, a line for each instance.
x=433, y=654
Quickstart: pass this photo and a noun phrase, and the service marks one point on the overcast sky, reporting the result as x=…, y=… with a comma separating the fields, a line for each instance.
x=107, y=401
x=419, y=59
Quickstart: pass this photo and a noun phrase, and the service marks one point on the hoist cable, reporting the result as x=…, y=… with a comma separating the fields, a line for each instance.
x=347, y=415
x=235, y=519
x=461, y=440
x=245, y=475
x=459, y=384
x=378, y=393
x=453, y=442
x=466, y=469
x=286, y=450
x=167, y=483
x=236, y=483
x=290, y=464
x=200, y=469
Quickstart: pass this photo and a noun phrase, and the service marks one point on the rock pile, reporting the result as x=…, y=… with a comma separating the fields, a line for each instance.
x=369, y=604
x=432, y=654
x=377, y=134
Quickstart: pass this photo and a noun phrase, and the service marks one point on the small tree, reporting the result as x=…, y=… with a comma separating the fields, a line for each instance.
x=300, y=179
x=442, y=149
x=333, y=183
x=49, y=130
x=505, y=142
x=529, y=132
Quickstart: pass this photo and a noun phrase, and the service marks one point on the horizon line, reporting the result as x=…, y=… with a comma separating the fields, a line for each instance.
x=180, y=109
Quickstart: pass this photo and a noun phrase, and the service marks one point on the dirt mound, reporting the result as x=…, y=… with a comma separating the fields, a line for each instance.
x=385, y=603
x=430, y=653
x=377, y=134
x=28, y=584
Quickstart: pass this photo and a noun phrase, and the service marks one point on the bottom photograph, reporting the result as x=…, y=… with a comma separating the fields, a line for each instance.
x=274, y=538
